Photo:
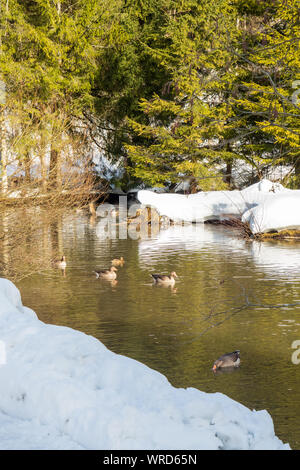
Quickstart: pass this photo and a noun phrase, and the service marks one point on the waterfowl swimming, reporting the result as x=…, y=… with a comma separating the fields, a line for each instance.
x=118, y=262
x=164, y=279
x=61, y=262
x=228, y=360
x=108, y=274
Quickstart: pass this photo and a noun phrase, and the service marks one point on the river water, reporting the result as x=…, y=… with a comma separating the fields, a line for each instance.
x=230, y=294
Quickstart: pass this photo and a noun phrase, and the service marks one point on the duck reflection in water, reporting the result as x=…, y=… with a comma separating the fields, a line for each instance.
x=171, y=288
x=225, y=370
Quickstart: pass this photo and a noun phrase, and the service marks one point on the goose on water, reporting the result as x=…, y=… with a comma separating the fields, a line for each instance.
x=164, y=279
x=228, y=360
x=109, y=274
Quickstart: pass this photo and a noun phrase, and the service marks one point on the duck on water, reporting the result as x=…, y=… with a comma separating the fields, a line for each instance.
x=164, y=279
x=227, y=360
x=108, y=274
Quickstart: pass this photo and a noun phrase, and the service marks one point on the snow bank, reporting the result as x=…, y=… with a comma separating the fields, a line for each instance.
x=88, y=397
x=278, y=213
x=210, y=205
x=21, y=434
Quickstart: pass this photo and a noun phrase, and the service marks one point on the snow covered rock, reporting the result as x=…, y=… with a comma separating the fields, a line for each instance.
x=265, y=205
x=208, y=205
x=86, y=396
x=278, y=213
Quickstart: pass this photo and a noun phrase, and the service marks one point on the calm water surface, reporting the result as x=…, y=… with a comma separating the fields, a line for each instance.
x=227, y=297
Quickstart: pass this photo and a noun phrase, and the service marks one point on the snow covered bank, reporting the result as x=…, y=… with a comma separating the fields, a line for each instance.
x=255, y=204
x=22, y=434
x=85, y=396
x=277, y=213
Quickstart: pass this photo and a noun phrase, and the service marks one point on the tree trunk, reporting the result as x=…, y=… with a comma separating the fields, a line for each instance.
x=297, y=171
x=5, y=247
x=27, y=168
x=228, y=176
x=4, y=157
x=55, y=169
x=229, y=161
x=43, y=165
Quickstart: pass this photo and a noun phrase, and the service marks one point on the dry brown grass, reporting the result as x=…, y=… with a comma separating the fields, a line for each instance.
x=282, y=235
x=242, y=228
x=244, y=231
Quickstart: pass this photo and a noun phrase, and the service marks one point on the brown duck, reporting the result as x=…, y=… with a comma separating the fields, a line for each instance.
x=60, y=262
x=164, y=279
x=228, y=360
x=108, y=274
x=118, y=261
